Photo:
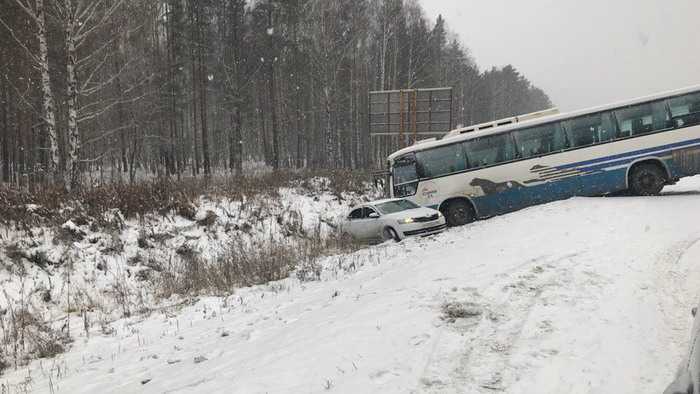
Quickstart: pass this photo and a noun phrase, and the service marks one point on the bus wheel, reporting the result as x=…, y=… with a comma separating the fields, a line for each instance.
x=388, y=234
x=647, y=180
x=458, y=213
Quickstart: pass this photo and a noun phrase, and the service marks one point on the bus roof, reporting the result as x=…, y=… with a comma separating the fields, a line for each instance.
x=464, y=134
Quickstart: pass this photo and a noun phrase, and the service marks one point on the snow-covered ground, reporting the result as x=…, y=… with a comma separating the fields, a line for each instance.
x=588, y=295
x=126, y=249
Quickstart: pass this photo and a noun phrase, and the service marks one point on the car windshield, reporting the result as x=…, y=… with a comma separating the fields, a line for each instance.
x=396, y=206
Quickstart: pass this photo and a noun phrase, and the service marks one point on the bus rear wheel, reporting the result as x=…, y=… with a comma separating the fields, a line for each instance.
x=647, y=180
x=458, y=213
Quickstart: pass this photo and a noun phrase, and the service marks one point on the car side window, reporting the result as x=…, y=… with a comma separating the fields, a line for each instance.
x=355, y=214
x=366, y=211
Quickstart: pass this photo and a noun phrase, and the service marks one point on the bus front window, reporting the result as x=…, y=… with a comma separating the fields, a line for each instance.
x=405, y=176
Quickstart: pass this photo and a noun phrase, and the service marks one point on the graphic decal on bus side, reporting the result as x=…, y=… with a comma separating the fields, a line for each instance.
x=490, y=187
x=428, y=190
x=546, y=173
x=684, y=153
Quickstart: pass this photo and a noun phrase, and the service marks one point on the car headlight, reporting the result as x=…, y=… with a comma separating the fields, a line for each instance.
x=406, y=221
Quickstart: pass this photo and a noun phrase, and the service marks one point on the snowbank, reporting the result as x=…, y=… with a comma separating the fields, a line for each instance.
x=97, y=274
x=588, y=295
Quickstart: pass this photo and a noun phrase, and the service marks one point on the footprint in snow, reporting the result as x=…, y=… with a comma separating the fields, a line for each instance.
x=382, y=376
x=419, y=339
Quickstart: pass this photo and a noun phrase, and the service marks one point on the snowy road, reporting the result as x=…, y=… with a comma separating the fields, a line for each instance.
x=588, y=295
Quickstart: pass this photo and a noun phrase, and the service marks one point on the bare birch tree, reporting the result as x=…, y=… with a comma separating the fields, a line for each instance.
x=37, y=14
x=80, y=20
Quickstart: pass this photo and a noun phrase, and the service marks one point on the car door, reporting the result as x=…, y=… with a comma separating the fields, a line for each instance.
x=353, y=223
x=369, y=227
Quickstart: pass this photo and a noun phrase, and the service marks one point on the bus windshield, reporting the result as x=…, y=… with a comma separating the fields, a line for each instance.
x=405, y=176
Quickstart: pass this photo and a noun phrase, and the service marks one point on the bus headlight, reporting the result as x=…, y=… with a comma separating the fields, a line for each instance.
x=406, y=221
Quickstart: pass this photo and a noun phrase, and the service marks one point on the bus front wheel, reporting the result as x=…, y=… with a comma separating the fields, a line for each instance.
x=458, y=213
x=647, y=180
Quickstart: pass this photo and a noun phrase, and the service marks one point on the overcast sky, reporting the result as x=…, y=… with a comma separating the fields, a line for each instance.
x=583, y=53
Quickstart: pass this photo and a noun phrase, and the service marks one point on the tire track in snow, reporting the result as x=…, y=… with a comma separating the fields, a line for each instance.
x=483, y=363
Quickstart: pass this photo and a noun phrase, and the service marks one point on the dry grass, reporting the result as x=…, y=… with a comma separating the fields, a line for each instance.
x=53, y=205
x=3, y=364
x=248, y=265
x=26, y=336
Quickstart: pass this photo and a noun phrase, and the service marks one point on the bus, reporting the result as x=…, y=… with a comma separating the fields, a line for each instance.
x=638, y=145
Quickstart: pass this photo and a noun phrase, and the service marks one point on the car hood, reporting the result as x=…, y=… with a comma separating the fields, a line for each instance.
x=412, y=213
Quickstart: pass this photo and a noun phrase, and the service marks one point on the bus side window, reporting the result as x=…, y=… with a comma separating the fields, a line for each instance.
x=590, y=130
x=642, y=119
x=487, y=151
x=540, y=140
x=442, y=160
x=685, y=110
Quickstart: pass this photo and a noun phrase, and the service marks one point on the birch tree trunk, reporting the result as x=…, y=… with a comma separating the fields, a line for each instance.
x=329, y=151
x=48, y=99
x=72, y=170
x=203, y=78
x=4, y=103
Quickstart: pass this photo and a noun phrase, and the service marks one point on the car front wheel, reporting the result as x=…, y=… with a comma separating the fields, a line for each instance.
x=389, y=234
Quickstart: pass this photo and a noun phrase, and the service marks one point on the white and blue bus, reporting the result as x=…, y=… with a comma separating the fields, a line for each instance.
x=639, y=145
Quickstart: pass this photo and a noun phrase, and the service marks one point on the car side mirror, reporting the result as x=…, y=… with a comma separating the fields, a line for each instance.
x=373, y=215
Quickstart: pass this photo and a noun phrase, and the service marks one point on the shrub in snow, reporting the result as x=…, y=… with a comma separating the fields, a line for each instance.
x=208, y=220
x=68, y=233
x=3, y=364
x=451, y=311
x=30, y=336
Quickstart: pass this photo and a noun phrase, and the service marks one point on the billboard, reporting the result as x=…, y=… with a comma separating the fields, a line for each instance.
x=398, y=118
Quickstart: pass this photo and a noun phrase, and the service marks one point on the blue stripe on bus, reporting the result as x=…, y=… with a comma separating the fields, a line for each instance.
x=628, y=154
x=627, y=160
x=518, y=198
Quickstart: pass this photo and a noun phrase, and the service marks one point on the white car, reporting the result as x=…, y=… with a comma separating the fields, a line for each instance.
x=392, y=219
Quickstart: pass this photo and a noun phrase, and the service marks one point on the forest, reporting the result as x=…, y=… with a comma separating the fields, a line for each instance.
x=98, y=91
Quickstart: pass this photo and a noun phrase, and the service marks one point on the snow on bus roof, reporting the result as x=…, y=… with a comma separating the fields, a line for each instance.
x=454, y=137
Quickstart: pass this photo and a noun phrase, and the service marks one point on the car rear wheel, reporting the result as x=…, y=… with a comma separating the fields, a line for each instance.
x=389, y=234
x=458, y=213
x=647, y=180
